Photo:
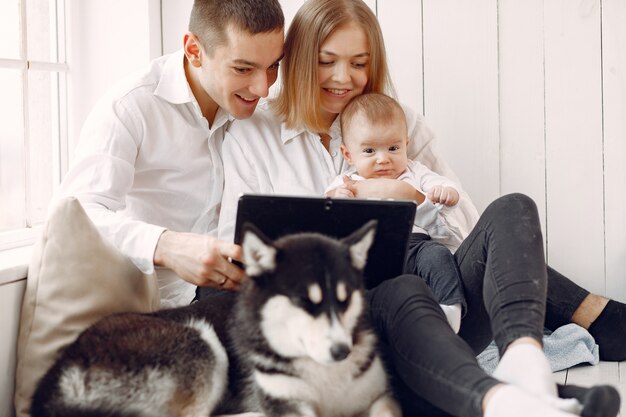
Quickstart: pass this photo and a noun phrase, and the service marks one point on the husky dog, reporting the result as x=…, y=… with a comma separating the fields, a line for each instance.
x=295, y=341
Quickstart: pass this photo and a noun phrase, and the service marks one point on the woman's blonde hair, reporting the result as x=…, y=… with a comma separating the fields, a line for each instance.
x=298, y=101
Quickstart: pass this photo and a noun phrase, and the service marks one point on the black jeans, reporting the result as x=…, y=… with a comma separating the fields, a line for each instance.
x=503, y=270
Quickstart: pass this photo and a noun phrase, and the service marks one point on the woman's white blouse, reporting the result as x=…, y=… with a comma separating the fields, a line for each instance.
x=261, y=155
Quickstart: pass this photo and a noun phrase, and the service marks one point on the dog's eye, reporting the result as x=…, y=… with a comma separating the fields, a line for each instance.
x=315, y=294
x=343, y=303
x=306, y=303
x=341, y=292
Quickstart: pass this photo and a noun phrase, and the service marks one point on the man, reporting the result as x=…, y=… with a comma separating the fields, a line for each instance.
x=148, y=169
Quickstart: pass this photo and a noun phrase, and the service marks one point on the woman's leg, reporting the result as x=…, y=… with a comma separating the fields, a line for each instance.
x=434, y=369
x=504, y=275
x=564, y=298
x=605, y=319
x=434, y=373
x=566, y=301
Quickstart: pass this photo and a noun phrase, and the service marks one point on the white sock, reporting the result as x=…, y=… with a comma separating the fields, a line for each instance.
x=511, y=401
x=453, y=314
x=526, y=366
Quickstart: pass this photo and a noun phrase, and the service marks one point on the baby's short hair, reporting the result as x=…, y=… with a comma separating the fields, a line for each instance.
x=376, y=107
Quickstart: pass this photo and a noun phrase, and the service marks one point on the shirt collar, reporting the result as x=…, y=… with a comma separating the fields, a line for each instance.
x=222, y=117
x=287, y=134
x=173, y=85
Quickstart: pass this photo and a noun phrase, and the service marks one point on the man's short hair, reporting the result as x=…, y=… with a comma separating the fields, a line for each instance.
x=210, y=18
x=377, y=108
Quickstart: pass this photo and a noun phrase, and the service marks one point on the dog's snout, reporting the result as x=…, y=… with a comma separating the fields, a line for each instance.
x=339, y=351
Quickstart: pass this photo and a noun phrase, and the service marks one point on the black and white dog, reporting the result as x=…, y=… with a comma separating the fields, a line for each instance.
x=295, y=341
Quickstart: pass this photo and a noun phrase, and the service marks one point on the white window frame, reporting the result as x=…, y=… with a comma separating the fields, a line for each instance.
x=15, y=238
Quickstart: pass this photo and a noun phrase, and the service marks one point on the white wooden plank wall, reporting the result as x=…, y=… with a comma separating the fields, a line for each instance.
x=529, y=97
x=405, y=63
x=573, y=108
x=521, y=85
x=614, y=106
x=524, y=96
x=461, y=89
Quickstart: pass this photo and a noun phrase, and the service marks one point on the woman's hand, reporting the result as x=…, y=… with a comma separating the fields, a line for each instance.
x=386, y=188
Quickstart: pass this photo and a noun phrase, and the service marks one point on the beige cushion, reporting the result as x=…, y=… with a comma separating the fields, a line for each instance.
x=75, y=278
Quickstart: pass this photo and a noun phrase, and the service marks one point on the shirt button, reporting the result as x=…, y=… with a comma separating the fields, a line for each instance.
x=334, y=153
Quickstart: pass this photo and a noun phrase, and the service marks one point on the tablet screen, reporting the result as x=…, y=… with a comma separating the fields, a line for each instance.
x=277, y=216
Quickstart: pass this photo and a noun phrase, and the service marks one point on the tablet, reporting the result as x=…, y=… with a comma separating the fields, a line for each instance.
x=277, y=215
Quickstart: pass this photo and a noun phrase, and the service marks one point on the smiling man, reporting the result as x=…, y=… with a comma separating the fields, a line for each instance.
x=148, y=169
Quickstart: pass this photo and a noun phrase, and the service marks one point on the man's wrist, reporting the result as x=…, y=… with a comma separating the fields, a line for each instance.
x=161, y=248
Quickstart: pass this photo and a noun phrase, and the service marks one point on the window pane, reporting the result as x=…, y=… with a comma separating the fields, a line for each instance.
x=12, y=189
x=43, y=141
x=42, y=18
x=10, y=29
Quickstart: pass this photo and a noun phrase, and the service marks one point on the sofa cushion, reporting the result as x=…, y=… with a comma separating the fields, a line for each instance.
x=75, y=278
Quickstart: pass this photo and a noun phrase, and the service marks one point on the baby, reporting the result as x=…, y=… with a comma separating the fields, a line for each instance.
x=375, y=141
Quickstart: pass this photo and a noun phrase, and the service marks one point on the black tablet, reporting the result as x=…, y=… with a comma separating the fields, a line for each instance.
x=277, y=215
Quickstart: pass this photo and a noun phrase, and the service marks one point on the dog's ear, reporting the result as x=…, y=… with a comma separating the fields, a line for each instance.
x=258, y=253
x=360, y=242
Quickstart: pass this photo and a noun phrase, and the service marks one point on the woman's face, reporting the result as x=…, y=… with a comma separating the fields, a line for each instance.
x=343, y=68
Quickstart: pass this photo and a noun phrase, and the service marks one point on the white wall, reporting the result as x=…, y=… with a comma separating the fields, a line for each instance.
x=107, y=40
x=528, y=96
x=524, y=96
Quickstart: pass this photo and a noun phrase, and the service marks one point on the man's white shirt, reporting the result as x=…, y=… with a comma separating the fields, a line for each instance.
x=147, y=161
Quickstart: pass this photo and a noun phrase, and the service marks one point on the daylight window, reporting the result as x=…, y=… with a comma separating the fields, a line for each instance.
x=33, y=139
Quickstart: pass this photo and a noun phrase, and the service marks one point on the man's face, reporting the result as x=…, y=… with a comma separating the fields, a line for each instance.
x=376, y=150
x=241, y=71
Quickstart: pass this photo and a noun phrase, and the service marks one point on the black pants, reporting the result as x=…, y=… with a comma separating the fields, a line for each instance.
x=436, y=265
x=504, y=276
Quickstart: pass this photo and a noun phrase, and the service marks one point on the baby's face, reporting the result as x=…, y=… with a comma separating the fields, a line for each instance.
x=376, y=150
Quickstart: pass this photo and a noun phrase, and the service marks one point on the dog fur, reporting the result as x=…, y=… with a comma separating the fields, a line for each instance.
x=295, y=341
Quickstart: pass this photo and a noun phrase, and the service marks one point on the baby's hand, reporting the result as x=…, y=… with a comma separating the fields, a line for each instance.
x=345, y=190
x=447, y=196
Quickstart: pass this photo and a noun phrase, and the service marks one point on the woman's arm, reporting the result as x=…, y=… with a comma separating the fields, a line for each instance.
x=387, y=188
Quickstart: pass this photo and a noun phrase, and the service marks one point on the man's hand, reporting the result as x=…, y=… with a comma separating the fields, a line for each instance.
x=447, y=196
x=200, y=260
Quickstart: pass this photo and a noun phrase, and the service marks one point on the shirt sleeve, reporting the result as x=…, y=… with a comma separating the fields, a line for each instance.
x=335, y=183
x=102, y=176
x=428, y=179
x=423, y=148
x=429, y=216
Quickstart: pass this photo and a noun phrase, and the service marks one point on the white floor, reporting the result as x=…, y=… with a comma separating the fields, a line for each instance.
x=612, y=373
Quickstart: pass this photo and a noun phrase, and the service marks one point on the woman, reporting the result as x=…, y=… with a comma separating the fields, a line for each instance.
x=333, y=52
